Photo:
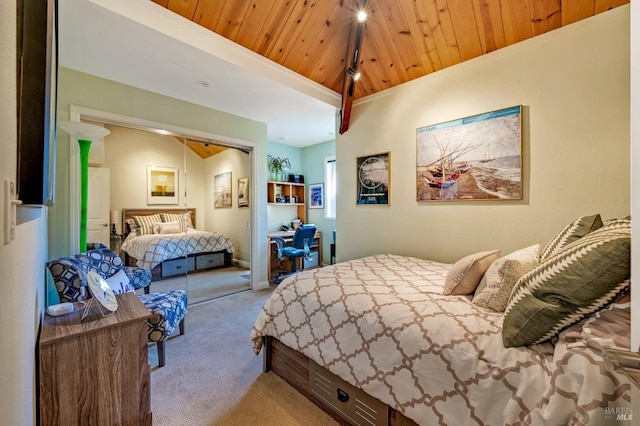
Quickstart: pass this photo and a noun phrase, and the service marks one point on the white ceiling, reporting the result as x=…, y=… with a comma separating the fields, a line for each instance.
x=117, y=40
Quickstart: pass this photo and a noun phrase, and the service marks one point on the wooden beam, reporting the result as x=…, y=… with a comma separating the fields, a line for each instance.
x=353, y=54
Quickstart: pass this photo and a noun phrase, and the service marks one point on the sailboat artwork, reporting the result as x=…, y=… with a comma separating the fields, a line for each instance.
x=473, y=158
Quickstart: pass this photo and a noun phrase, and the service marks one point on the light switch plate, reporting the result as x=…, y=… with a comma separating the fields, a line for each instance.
x=7, y=211
x=10, y=204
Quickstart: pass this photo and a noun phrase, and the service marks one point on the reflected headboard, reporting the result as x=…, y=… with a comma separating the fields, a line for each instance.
x=129, y=213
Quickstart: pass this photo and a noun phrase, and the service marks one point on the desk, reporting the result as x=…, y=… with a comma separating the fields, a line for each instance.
x=275, y=265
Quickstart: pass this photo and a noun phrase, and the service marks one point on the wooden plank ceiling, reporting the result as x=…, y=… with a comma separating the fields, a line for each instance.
x=402, y=39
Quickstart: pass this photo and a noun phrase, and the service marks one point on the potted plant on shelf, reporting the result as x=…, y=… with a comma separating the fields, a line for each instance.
x=277, y=166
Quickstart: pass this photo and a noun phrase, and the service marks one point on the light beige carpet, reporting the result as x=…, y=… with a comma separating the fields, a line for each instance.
x=212, y=376
x=207, y=285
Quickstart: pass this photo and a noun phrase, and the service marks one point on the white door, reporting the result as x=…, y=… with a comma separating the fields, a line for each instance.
x=98, y=202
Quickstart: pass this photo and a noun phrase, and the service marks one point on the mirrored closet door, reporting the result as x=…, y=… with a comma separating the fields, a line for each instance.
x=180, y=207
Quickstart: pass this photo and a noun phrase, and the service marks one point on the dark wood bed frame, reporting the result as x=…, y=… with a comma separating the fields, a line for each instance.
x=156, y=272
x=294, y=367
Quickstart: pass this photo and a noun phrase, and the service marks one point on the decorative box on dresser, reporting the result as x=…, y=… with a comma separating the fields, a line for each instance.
x=96, y=371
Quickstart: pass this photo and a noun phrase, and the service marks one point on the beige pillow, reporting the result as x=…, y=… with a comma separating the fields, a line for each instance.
x=184, y=219
x=496, y=284
x=464, y=275
x=167, y=228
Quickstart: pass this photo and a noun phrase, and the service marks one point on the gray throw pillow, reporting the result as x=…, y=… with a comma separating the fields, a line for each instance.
x=576, y=281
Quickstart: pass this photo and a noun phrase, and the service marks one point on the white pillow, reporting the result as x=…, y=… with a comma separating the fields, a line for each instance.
x=119, y=282
x=167, y=228
x=497, y=283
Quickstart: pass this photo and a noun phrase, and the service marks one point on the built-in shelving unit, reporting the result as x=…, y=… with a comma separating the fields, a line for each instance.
x=288, y=194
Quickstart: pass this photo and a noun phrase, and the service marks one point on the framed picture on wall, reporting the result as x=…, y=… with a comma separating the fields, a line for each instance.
x=243, y=192
x=472, y=158
x=162, y=185
x=222, y=190
x=373, y=178
x=316, y=196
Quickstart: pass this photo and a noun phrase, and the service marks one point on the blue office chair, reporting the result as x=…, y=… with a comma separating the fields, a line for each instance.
x=299, y=247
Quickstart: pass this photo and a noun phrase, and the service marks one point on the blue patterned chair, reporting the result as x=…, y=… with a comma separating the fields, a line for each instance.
x=167, y=309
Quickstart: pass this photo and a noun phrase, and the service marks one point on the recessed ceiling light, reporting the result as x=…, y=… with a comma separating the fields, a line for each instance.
x=362, y=16
x=203, y=84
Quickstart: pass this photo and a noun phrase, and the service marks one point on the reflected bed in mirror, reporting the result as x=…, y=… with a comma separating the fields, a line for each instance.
x=166, y=242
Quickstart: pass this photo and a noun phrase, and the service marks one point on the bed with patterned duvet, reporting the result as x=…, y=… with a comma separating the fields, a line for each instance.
x=489, y=340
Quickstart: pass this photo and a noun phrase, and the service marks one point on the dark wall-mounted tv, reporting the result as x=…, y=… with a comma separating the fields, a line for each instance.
x=37, y=95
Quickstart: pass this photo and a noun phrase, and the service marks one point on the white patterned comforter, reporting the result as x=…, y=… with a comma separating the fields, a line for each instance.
x=151, y=250
x=383, y=324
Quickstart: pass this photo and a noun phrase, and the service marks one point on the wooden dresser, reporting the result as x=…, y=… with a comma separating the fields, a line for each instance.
x=96, y=371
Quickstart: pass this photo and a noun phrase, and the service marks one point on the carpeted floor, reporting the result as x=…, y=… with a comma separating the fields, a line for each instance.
x=212, y=377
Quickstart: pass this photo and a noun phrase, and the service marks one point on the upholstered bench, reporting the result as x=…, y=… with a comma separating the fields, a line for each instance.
x=168, y=309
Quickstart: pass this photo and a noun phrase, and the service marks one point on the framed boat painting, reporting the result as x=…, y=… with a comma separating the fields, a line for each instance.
x=472, y=158
x=373, y=179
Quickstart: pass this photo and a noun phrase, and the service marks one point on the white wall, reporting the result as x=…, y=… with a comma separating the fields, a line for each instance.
x=128, y=152
x=233, y=221
x=574, y=84
x=22, y=260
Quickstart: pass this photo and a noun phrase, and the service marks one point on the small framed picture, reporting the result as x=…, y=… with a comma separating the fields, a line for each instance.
x=222, y=190
x=373, y=179
x=162, y=185
x=316, y=196
x=243, y=192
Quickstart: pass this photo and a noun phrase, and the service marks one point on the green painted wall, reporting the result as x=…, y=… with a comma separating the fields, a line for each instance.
x=308, y=161
x=282, y=215
x=313, y=165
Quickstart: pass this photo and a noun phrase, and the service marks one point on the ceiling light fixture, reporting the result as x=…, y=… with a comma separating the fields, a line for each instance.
x=362, y=16
x=202, y=84
x=355, y=74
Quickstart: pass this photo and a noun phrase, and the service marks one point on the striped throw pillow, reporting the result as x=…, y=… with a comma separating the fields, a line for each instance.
x=572, y=232
x=575, y=282
x=184, y=219
x=145, y=223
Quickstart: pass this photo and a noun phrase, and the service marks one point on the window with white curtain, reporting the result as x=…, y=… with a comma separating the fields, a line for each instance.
x=330, y=187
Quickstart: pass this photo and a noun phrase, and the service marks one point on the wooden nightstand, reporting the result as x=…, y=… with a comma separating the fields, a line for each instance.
x=96, y=371
x=115, y=242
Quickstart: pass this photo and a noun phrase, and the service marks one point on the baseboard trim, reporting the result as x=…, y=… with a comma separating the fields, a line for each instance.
x=262, y=285
x=242, y=263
